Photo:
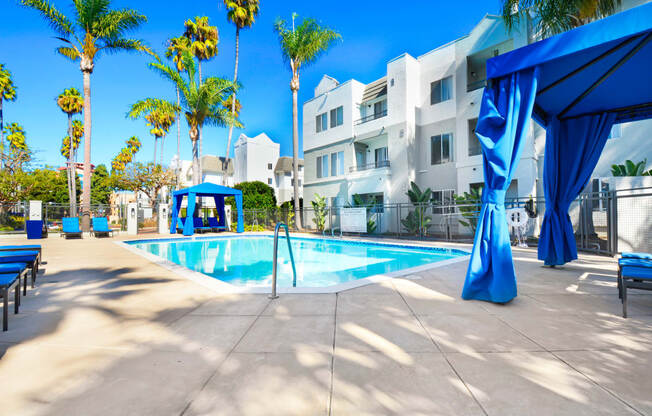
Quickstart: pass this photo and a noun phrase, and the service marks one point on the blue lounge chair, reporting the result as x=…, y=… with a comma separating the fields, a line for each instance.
x=9, y=281
x=635, y=272
x=215, y=226
x=29, y=247
x=16, y=268
x=71, y=227
x=29, y=258
x=198, y=224
x=101, y=227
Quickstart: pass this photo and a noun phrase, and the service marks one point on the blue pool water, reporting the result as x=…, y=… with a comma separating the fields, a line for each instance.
x=247, y=261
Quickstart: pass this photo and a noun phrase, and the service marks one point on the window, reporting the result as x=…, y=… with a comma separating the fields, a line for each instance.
x=380, y=109
x=337, y=116
x=441, y=90
x=443, y=197
x=440, y=148
x=324, y=166
x=269, y=166
x=381, y=157
x=475, y=148
x=337, y=164
x=322, y=122
x=269, y=181
x=298, y=184
x=300, y=168
x=318, y=167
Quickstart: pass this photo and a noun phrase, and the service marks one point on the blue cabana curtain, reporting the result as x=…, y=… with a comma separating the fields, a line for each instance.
x=189, y=226
x=219, y=207
x=504, y=116
x=573, y=147
x=176, y=207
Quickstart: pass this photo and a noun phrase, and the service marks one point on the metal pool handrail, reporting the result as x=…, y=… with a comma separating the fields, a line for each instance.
x=294, y=269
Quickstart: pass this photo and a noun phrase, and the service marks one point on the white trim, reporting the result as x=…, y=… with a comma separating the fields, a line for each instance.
x=221, y=287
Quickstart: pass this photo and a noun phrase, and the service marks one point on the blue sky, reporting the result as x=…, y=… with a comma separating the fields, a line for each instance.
x=373, y=32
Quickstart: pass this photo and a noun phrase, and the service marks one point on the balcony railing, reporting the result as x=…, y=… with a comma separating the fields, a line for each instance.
x=371, y=117
x=471, y=86
x=368, y=166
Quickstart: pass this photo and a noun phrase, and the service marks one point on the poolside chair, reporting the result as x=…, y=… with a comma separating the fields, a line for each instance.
x=9, y=281
x=29, y=247
x=71, y=227
x=26, y=258
x=198, y=224
x=16, y=268
x=214, y=225
x=635, y=272
x=100, y=227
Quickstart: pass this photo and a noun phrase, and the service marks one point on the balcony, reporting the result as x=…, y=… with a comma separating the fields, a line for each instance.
x=371, y=117
x=369, y=166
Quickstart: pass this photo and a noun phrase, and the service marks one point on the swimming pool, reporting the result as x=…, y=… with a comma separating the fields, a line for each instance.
x=320, y=262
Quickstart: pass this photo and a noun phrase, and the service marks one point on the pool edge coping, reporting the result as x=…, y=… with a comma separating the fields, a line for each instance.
x=222, y=287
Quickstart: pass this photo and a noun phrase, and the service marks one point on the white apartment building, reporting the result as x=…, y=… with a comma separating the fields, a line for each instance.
x=214, y=170
x=413, y=124
x=416, y=124
x=258, y=159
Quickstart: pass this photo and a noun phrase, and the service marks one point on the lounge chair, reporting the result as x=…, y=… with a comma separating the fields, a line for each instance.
x=28, y=258
x=71, y=227
x=16, y=268
x=30, y=247
x=214, y=225
x=101, y=227
x=9, y=281
x=198, y=224
x=635, y=272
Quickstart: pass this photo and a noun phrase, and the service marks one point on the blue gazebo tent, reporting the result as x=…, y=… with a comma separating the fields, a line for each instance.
x=206, y=189
x=576, y=85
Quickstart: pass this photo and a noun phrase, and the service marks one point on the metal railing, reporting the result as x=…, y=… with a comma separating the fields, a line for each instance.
x=369, y=166
x=371, y=117
x=273, y=295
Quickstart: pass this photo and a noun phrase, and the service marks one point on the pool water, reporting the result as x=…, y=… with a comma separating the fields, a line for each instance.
x=247, y=261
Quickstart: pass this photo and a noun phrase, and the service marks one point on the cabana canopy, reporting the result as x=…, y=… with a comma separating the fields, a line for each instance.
x=576, y=85
x=218, y=192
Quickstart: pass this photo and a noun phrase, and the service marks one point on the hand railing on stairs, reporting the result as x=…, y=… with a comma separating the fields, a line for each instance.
x=274, y=267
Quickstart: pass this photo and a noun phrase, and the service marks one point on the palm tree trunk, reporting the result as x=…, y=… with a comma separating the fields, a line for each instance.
x=162, y=145
x=235, y=79
x=155, y=144
x=178, y=138
x=195, y=163
x=201, y=142
x=86, y=191
x=295, y=156
x=69, y=167
x=2, y=137
x=73, y=177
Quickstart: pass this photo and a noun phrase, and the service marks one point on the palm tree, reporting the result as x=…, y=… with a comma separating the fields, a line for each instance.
x=159, y=116
x=70, y=154
x=71, y=102
x=242, y=13
x=556, y=16
x=203, y=45
x=7, y=92
x=301, y=46
x=94, y=29
x=175, y=48
x=19, y=152
x=201, y=103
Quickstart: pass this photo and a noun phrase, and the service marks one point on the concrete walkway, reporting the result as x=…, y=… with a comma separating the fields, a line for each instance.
x=106, y=332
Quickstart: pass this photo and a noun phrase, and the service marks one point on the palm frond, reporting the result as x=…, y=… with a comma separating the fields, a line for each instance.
x=69, y=52
x=128, y=45
x=115, y=23
x=89, y=12
x=306, y=43
x=149, y=105
x=57, y=20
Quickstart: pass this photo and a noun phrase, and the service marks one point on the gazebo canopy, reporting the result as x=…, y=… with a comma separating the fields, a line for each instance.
x=206, y=189
x=576, y=85
x=602, y=66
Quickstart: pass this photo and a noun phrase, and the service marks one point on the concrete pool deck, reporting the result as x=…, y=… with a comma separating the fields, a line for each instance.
x=107, y=332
